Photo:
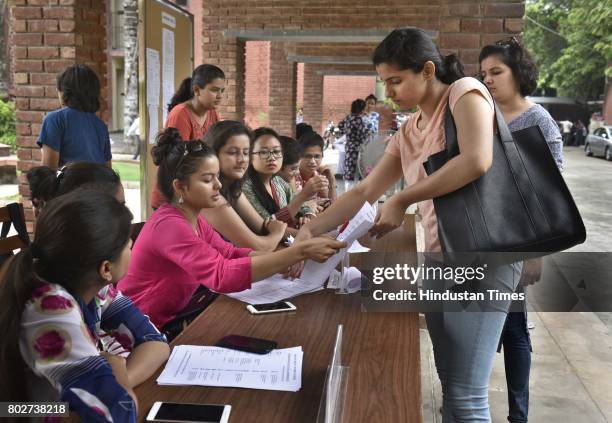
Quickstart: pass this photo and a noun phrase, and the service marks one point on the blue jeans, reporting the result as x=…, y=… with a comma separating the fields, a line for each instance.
x=464, y=345
x=517, y=359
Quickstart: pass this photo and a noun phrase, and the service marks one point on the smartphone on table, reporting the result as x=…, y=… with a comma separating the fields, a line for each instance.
x=271, y=307
x=189, y=413
x=247, y=344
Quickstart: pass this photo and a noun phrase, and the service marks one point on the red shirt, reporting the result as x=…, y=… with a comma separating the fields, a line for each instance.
x=182, y=118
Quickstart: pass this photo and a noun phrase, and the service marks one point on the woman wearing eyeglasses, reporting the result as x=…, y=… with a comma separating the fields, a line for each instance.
x=510, y=75
x=178, y=251
x=269, y=194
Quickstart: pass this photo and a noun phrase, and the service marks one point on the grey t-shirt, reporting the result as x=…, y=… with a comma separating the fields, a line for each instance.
x=537, y=115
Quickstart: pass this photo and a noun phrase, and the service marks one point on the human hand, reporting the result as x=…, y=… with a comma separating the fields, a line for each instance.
x=303, y=234
x=389, y=217
x=321, y=248
x=532, y=271
x=315, y=184
x=276, y=227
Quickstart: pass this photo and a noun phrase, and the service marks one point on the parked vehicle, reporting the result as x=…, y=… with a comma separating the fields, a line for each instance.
x=599, y=143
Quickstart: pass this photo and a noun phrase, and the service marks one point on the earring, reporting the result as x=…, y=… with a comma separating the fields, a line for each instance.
x=181, y=201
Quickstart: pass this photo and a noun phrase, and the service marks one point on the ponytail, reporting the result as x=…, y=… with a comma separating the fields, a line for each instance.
x=452, y=69
x=201, y=76
x=18, y=284
x=183, y=94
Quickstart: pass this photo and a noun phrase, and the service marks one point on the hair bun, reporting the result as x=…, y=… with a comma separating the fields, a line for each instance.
x=168, y=143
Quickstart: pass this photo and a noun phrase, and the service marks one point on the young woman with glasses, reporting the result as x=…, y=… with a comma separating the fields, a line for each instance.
x=269, y=194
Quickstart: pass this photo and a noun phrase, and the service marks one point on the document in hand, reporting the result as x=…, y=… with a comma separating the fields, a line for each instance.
x=279, y=370
x=359, y=225
x=275, y=289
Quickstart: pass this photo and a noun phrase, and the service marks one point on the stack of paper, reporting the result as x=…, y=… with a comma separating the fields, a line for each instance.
x=274, y=289
x=279, y=370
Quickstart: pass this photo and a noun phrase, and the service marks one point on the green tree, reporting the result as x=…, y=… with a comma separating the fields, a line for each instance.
x=542, y=36
x=580, y=71
x=7, y=124
x=571, y=41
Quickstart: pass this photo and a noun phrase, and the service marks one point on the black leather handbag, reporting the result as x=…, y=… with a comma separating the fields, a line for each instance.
x=521, y=204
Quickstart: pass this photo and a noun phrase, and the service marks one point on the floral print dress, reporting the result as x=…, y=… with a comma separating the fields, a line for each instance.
x=356, y=132
x=61, y=338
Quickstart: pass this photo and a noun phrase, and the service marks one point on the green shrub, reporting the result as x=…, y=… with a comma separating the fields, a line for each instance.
x=7, y=124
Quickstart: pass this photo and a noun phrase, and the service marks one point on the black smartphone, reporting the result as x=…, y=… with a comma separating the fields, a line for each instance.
x=246, y=343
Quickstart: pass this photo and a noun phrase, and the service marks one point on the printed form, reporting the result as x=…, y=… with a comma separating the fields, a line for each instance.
x=279, y=370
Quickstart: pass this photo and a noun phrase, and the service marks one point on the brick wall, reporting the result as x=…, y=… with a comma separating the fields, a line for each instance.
x=337, y=99
x=49, y=36
x=256, y=111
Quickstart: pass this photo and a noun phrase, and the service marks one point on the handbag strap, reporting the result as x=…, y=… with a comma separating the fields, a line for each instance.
x=450, y=130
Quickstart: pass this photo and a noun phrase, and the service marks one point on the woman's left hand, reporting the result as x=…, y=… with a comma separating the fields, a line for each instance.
x=389, y=216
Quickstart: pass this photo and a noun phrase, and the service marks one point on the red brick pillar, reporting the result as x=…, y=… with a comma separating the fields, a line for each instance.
x=49, y=36
x=313, y=98
x=466, y=27
x=227, y=53
x=283, y=90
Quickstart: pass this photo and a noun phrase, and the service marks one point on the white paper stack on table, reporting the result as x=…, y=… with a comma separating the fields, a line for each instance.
x=276, y=288
x=279, y=370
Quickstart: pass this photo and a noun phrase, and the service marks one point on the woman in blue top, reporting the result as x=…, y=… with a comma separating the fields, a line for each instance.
x=74, y=132
x=68, y=328
x=510, y=75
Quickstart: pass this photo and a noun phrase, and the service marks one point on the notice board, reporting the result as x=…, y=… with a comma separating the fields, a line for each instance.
x=165, y=47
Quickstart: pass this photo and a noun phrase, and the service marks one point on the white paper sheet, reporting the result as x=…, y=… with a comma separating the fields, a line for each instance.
x=274, y=289
x=167, y=69
x=358, y=226
x=152, y=57
x=153, y=123
x=353, y=276
x=356, y=247
x=279, y=370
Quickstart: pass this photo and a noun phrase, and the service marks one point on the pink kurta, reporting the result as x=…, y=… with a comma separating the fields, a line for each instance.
x=169, y=262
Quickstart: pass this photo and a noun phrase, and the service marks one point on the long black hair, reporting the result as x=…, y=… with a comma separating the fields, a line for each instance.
x=217, y=137
x=80, y=88
x=177, y=159
x=202, y=75
x=259, y=189
x=74, y=235
x=517, y=58
x=410, y=48
x=46, y=183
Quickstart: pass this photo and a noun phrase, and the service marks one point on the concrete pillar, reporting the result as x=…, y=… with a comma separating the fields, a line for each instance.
x=48, y=38
x=313, y=98
x=283, y=90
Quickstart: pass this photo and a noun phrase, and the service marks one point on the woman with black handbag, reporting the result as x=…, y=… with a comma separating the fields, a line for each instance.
x=416, y=74
x=510, y=75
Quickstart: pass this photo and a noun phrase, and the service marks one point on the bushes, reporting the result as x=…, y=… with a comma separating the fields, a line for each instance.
x=7, y=124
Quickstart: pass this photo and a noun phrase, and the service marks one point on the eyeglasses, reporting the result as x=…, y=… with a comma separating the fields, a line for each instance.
x=509, y=42
x=265, y=154
x=190, y=147
x=309, y=157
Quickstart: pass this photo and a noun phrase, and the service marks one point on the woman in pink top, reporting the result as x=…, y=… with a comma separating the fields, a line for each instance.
x=193, y=109
x=416, y=74
x=177, y=251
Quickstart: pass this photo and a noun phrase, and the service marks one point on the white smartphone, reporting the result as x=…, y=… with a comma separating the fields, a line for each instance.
x=189, y=413
x=271, y=307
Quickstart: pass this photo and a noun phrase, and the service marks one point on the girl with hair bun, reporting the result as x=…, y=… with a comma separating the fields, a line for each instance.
x=46, y=184
x=178, y=251
x=58, y=302
x=416, y=74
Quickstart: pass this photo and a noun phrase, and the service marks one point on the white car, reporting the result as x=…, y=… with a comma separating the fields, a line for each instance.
x=599, y=143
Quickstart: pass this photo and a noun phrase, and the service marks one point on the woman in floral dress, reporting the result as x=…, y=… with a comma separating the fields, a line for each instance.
x=356, y=131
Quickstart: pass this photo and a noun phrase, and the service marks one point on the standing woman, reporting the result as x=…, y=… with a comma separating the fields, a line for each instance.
x=510, y=75
x=74, y=133
x=416, y=74
x=356, y=130
x=193, y=109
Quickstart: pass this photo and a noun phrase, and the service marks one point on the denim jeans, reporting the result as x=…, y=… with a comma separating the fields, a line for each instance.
x=517, y=359
x=464, y=345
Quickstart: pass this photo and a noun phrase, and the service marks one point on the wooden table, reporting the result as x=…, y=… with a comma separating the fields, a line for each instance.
x=380, y=349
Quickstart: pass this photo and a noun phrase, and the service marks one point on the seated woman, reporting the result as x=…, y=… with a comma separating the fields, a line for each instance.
x=46, y=183
x=269, y=194
x=178, y=251
x=234, y=218
x=58, y=296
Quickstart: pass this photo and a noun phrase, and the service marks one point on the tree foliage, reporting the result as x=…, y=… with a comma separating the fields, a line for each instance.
x=575, y=60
